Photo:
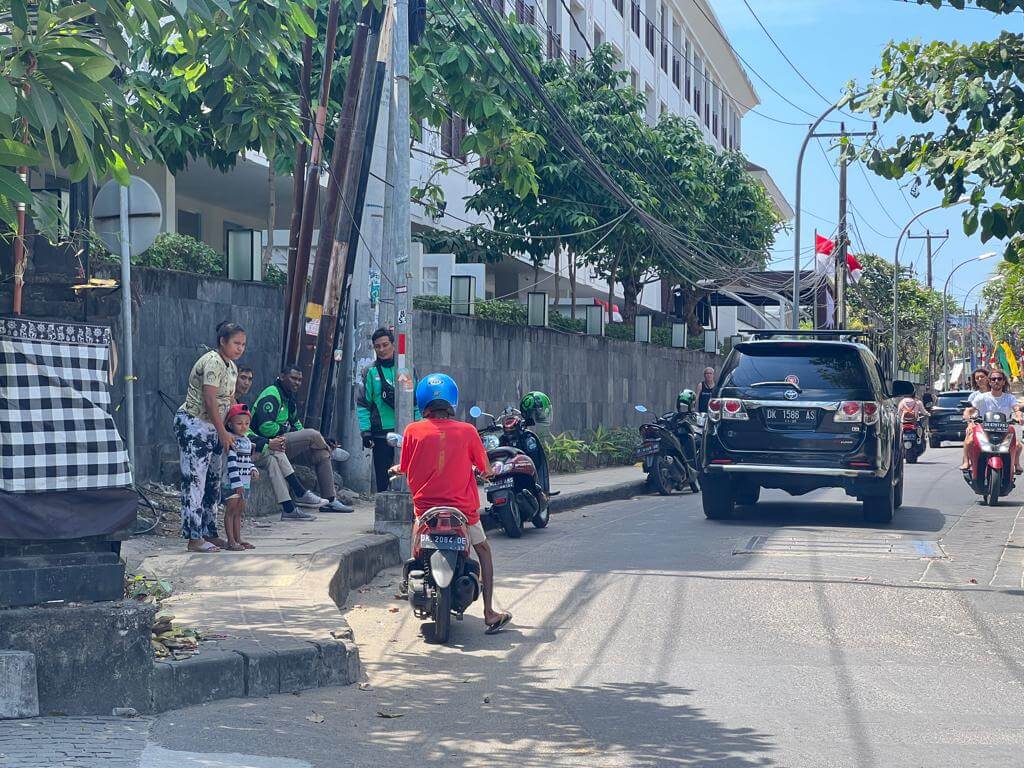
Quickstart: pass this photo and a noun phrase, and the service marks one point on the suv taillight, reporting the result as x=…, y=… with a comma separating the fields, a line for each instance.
x=857, y=411
x=732, y=408
x=715, y=409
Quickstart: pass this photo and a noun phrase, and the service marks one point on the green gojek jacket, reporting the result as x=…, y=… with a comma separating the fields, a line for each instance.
x=375, y=416
x=275, y=413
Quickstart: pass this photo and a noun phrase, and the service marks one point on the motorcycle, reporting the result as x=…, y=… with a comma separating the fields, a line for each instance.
x=669, y=452
x=441, y=578
x=914, y=442
x=990, y=456
x=517, y=492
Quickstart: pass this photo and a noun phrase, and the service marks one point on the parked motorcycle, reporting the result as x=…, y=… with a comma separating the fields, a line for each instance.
x=516, y=493
x=441, y=578
x=914, y=441
x=990, y=456
x=669, y=452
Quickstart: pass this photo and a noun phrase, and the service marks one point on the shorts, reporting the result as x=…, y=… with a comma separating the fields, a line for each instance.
x=476, y=533
x=227, y=493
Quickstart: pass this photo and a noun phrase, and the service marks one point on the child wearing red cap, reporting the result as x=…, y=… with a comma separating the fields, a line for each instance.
x=240, y=473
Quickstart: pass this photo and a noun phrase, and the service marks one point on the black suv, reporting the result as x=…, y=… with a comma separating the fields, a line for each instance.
x=946, y=417
x=801, y=411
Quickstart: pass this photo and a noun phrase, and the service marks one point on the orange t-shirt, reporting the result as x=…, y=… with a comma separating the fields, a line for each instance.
x=438, y=456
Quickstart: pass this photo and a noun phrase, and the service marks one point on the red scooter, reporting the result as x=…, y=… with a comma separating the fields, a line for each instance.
x=441, y=577
x=990, y=455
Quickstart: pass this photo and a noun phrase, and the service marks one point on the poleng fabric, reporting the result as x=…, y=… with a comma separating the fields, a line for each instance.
x=55, y=430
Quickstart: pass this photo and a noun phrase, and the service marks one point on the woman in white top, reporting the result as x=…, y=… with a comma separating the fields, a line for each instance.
x=998, y=400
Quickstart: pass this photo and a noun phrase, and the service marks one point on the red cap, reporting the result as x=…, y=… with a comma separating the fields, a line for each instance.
x=235, y=410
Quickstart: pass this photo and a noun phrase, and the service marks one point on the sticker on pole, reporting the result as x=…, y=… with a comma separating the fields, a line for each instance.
x=403, y=318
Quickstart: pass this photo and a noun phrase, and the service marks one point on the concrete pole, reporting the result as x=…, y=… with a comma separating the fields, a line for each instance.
x=126, y=324
x=840, y=316
x=401, y=215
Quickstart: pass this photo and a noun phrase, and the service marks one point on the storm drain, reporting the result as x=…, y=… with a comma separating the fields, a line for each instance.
x=889, y=546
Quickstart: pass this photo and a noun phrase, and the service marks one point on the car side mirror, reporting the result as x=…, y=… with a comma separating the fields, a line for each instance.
x=394, y=440
x=901, y=388
x=475, y=411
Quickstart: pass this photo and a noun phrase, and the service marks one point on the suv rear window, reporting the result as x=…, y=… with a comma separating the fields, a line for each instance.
x=816, y=367
x=953, y=400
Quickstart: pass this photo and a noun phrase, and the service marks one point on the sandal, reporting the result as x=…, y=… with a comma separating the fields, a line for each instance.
x=206, y=547
x=247, y=545
x=235, y=548
x=496, y=627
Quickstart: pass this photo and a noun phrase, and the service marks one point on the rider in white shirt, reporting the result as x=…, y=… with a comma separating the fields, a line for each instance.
x=998, y=400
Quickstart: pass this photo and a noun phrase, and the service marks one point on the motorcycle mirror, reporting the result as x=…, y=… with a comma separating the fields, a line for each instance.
x=394, y=440
x=475, y=411
x=640, y=408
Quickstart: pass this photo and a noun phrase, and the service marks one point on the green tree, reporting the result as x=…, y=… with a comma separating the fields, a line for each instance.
x=870, y=306
x=976, y=91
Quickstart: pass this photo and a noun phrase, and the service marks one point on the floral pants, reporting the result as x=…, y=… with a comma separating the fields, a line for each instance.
x=201, y=459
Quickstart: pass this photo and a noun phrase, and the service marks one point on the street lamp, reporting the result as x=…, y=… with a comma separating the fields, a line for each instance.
x=945, y=323
x=896, y=275
x=963, y=310
x=796, y=216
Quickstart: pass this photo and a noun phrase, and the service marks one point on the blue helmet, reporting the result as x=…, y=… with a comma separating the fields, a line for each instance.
x=436, y=386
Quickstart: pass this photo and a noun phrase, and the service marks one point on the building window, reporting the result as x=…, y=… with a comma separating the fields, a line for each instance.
x=675, y=71
x=619, y=6
x=649, y=36
x=554, y=45
x=525, y=12
x=715, y=101
x=598, y=36
x=498, y=6
x=453, y=131
x=634, y=17
x=698, y=86
x=688, y=68
x=190, y=223
x=634, y=80
x=429, y=283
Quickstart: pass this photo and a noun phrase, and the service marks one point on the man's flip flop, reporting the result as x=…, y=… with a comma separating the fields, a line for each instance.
x=207, y=547
x=496, y=627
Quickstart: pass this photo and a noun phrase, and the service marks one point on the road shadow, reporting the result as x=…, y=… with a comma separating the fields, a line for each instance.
x=833, y=515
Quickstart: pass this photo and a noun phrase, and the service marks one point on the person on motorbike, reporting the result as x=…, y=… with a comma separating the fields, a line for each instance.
x=979, y=383
x=998, y=400
x=685, y=402
x=439, y=455
x=913, y=408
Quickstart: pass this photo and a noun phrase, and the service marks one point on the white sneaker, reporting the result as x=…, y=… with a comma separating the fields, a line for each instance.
x=310, y=499
x=336, y=506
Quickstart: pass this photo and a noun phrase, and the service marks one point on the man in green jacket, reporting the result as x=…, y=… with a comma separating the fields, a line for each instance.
x=276, y=415
x=375, y=406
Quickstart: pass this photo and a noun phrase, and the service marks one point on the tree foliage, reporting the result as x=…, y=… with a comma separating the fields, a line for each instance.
x=976, y=94
x=919, y=310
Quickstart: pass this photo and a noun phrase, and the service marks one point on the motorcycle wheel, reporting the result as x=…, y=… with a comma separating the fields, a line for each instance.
x=661, y=474
x=510, y=521
x=995, y=482
x=442, y=615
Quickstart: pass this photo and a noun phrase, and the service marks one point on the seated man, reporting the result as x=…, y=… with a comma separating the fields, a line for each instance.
x=438, y=457
x=276, y=415
x=243, y=384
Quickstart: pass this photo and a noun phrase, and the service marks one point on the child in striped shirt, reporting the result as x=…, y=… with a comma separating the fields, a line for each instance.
x=239, y=475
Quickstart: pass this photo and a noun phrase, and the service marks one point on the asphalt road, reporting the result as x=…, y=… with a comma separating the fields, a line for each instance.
x=645, y=635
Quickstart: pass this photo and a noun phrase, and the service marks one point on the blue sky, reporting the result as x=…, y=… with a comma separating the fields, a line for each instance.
x=832, y=42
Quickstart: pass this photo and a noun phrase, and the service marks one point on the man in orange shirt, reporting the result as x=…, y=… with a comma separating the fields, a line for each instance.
x=438, y=458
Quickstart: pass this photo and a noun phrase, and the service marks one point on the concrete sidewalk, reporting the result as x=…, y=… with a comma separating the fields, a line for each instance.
x=273, y=604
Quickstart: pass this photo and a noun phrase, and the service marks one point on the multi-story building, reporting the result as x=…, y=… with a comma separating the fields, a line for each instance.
x=677, y=55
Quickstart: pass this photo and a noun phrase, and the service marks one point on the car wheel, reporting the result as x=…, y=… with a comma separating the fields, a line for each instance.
x=747, y=495
x=879, y=509
x=717, y=499
x=898, y=493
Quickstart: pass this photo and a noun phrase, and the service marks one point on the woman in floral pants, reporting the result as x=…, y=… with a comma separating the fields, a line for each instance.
x=203, y=438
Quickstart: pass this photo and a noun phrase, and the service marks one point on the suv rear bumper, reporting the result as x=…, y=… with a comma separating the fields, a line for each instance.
x=775, y=469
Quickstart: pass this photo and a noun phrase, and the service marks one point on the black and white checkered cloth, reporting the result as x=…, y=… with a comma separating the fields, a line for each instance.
x=56, y=433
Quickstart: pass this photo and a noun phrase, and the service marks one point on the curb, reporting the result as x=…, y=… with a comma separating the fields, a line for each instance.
x=254, y=668
x=598, y=496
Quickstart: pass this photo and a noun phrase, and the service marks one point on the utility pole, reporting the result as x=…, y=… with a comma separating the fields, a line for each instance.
x=402, y=232
x=840, y=308
x=928, y=237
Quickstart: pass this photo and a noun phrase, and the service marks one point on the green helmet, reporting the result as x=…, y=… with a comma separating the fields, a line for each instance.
x=536, y=406
x=686, y=400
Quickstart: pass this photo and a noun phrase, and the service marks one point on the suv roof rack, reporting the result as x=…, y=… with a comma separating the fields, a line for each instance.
x=825, y=335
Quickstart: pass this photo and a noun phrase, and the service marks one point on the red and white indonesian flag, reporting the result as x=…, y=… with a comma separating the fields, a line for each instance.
x=854, y=267
x=823, y=248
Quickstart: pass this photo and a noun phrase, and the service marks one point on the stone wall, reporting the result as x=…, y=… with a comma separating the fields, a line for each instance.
x=590, y=380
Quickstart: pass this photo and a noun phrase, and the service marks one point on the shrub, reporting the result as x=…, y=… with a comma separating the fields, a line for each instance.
x=564, y=452
x=178, y=252
x=275, y=275
x=615, y=446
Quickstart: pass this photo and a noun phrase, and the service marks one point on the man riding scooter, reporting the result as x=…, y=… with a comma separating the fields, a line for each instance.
x=998, y=400
x=438, y=458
